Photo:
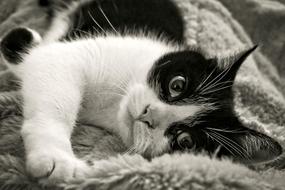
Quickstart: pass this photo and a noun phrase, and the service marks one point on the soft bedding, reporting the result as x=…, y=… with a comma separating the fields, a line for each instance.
x=219, y=27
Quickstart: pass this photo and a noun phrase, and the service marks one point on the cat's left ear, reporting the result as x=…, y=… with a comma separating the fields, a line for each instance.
x=232, y=64
x=255, y=147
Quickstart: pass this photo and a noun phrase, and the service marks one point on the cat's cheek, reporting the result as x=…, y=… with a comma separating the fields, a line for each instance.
x=160, y=144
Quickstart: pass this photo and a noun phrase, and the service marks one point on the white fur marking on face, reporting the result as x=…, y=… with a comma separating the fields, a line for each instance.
x=162, y=114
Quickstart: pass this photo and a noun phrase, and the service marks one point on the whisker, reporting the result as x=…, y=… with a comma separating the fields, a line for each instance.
x=229, y=145
x=164, y=63
x=227, y=70
x=216, y=152
x=226, y=131
x=217, y=139
x=233, y=142
x=216, y=85
x=86, y=33
x=226, y=142
x=101, y=10
x=218, y=77
x=216, y=90
x=96, y=22
x=79, y=24
x=205, y=80
x=234, y=145
x=98, y=32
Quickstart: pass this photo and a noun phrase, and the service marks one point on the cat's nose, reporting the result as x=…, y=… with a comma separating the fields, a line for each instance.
x=147, y=116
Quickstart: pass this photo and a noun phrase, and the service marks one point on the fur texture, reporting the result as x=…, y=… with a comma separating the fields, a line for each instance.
x=165, y=97
x=250, y=125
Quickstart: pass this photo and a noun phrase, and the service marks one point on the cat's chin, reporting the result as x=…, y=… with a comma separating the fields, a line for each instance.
x=128, y=131
x=138, y=137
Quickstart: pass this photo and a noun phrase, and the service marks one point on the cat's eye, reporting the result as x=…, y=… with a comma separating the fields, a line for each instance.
x=185, y=141
x=176, y=86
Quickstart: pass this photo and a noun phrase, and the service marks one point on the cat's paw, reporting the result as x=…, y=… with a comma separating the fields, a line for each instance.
x=53, y=166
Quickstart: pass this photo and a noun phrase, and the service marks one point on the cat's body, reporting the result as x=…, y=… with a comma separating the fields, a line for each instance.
x=134, y=77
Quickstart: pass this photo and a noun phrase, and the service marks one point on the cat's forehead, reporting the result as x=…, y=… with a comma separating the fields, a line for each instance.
x=183, y=62
x=182, y=59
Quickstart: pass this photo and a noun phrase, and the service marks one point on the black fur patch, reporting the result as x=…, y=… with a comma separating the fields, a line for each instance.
x=15, y=43
x=206, y=81
x=190, y=64
x=128, y=16
x=44, y=3
x=216, y=128
x=220, y=131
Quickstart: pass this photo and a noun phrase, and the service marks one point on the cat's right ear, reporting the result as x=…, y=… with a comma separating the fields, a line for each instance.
x=18, y=42
x=231, y=65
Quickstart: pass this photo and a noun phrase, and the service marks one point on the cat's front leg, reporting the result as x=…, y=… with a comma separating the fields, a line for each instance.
x=52, y=89
x=50, y=109
x=48, y=151
x=51, y=106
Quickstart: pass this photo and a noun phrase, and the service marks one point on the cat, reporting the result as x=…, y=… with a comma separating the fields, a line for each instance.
x=124, y=65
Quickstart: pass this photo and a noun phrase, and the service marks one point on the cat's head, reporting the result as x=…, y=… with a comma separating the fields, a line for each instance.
x=186, y=104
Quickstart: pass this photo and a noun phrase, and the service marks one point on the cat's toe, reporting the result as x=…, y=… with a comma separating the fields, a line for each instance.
x=40, y=165
x=56, y=167
x=68, y=168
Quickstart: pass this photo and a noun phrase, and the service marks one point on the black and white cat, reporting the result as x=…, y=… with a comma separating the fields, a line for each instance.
x=122, y=65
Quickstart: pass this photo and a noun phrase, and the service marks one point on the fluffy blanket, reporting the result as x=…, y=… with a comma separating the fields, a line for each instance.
x=260, y=90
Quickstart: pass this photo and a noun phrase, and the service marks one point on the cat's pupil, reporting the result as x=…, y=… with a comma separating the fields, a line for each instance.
x=185, y=141
x=176, y=86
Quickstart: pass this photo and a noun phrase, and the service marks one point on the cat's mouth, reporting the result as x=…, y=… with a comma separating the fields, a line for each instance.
x=132, y=124
x=140, y=136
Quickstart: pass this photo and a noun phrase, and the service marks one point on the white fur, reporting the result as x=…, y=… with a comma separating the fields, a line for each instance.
x=99, y=81
x=60, y=25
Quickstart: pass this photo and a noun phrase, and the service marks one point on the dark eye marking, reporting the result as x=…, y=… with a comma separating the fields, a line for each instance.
x=170, y=76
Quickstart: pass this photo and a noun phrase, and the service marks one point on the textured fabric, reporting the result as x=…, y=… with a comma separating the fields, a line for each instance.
x=210, y=26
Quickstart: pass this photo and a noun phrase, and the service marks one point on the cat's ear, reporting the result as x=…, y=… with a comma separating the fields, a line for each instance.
x=255, y=147
x=231, y=65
